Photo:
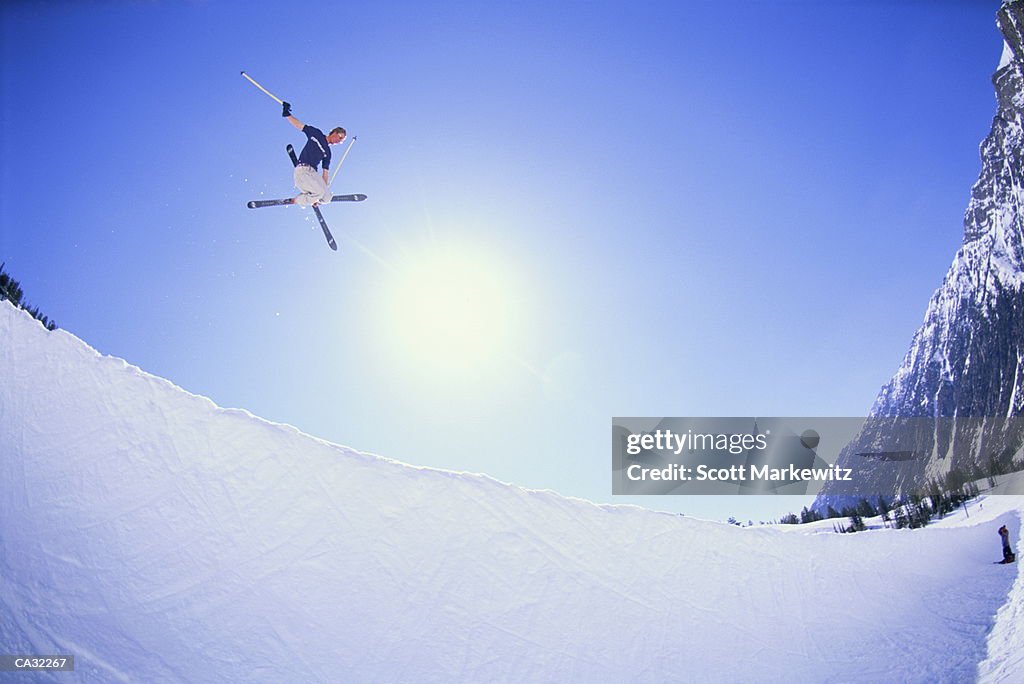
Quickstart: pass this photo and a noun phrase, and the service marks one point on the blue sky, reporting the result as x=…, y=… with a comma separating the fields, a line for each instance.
x=661, y=209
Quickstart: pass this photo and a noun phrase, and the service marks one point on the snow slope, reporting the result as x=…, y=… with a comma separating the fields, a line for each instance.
x=157, y=537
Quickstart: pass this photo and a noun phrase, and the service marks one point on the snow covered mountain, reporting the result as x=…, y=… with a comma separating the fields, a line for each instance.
x=964, y=367
x=158, y=538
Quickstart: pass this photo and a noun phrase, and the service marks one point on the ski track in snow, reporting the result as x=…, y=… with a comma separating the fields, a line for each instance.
x=157, y=537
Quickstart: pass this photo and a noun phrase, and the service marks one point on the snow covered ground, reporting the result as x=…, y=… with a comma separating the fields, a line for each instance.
x=157, y=537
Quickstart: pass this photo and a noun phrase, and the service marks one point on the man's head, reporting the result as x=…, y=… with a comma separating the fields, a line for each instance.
x=336, y=135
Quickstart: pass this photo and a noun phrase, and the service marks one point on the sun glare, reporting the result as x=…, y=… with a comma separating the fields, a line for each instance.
x=452, y=310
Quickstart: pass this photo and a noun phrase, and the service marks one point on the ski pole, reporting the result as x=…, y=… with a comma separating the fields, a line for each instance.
x=279, y=100
x=347, y=150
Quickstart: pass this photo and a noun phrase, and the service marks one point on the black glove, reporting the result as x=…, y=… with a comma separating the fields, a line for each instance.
x=286, y=109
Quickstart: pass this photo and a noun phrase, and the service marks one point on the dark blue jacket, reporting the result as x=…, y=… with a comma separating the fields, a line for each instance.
x=316, y=149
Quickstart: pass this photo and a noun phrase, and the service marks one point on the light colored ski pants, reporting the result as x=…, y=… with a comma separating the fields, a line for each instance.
x=312, y=185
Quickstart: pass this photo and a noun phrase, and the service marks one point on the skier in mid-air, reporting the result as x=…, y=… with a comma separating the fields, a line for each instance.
x=313, y=186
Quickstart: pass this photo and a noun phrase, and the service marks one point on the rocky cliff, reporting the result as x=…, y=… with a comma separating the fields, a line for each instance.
x=963, y=375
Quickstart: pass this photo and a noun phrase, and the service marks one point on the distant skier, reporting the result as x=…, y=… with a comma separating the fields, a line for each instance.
x=317, y=151
x=1008, y=555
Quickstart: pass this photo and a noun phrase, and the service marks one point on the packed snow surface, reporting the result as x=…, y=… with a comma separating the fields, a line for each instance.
x=157, y=537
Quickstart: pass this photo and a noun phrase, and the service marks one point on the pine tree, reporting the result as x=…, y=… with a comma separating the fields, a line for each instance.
x=865, y=509
x=10, y=290
x=807, y=515
x=856, y=523
x=899, y=519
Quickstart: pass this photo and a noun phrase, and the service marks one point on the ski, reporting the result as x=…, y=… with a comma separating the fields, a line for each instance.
x=259, y=204
x=316, y=210
x=327, y=231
